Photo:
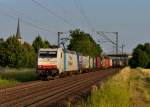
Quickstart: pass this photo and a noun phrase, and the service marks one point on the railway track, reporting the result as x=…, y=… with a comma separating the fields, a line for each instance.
x=46, y=93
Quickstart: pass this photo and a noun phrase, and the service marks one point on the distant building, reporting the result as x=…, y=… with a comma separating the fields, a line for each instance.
x=18, y=34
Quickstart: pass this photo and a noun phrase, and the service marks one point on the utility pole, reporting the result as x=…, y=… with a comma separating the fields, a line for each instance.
x=64, y=40
x=59, y=33
x=122, y=48
x=116, y=42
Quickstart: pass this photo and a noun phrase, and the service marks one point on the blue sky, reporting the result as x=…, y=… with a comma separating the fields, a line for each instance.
x=130, y=18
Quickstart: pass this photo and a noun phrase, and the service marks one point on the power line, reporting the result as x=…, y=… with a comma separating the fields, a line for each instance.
x=107, y=38
x=27, y=22
x=18, y=13
x=79, y=6
x=53, y=13
x=61, y=7
x=66, y=12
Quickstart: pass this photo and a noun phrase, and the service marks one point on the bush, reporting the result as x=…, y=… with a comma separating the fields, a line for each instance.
x=141, y=56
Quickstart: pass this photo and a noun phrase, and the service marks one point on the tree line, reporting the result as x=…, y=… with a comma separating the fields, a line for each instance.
x=141, y=56
x=15, y=54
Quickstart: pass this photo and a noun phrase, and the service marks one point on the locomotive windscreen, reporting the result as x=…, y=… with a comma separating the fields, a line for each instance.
x=48, y=54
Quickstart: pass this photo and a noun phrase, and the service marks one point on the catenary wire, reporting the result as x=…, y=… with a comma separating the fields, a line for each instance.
x=52, y=13
x=21, y=14
x=26, y=22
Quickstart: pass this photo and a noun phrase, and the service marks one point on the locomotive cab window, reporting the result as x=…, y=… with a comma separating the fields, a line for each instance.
x=48, y=54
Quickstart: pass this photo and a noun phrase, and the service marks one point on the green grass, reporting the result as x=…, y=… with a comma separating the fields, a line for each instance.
x=141, y=87
x=7, y=83
x=114, y=93
x=9, y=76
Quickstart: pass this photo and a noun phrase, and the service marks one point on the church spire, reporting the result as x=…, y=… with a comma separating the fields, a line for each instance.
x=18, y=35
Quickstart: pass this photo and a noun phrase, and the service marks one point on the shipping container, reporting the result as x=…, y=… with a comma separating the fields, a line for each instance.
x=70, y=61
x=91, y=62
x=98, y=62
x=85, y=62
x=79, y=61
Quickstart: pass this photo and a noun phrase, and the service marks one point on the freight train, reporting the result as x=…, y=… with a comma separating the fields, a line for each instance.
x=53, y=62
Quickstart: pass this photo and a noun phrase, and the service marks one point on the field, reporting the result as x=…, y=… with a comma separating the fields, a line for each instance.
x=129, y=88
x=10, y=76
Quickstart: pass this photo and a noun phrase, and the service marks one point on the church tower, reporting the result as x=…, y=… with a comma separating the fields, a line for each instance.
x=18, y=34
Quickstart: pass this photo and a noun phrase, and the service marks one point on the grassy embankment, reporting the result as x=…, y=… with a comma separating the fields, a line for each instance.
x=140, y=87
x=10, y=77
x=129, y=88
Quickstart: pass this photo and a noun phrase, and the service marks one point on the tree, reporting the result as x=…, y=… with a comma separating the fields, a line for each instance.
x=147, y=50
x=141, y=57
x=1, y=40
x=2, y=52
x=15, y=54
x=29, y=55
x=83, y=43
x=38, y=43
x=46, y=44
x=54, y=46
